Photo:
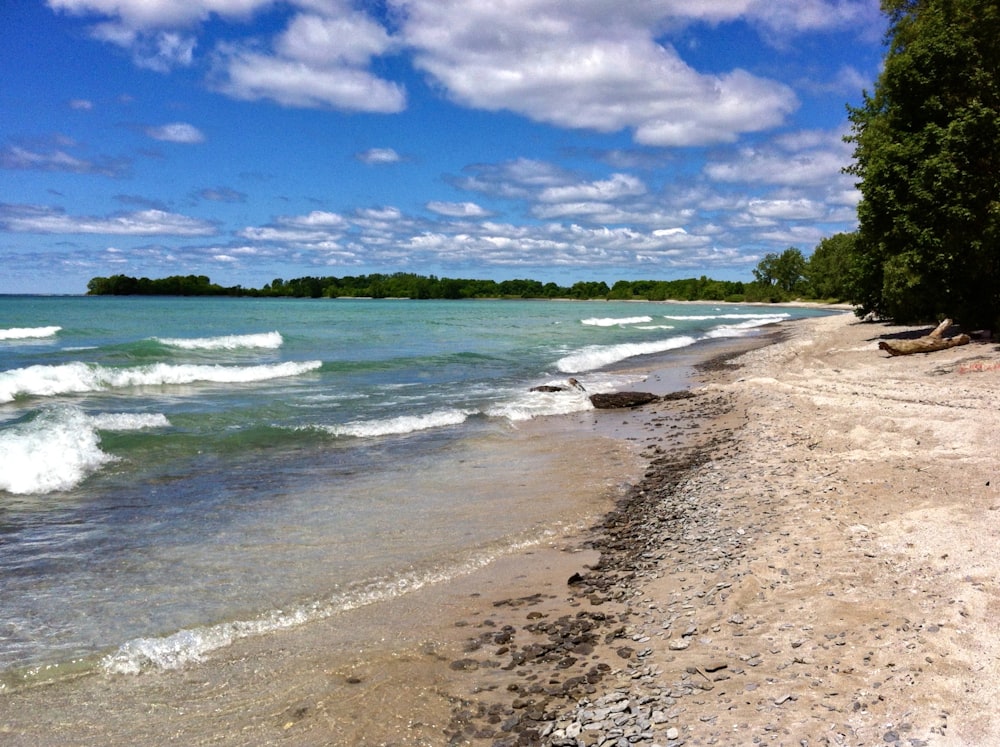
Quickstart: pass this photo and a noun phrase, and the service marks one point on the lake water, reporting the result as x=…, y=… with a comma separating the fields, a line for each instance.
x=179, y=473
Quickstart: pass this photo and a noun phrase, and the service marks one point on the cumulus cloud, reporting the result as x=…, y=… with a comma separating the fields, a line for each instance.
x=161, y=13
x=251, y=75
x=48, y=220
x=805, y=159
x=613, y=188
x=458, y=209
x=580, y=66
x=176, y=132
x=378, y=156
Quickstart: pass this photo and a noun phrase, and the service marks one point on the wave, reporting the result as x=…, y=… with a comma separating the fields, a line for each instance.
x=741, y=329
x=28, y=333
x=770, y=318
x=60, y=447
x=266, y=340
x=78, y=378
x=598, y=356
x=400, y=425
x=613, y=322
x=191, y=646
x=535, y=404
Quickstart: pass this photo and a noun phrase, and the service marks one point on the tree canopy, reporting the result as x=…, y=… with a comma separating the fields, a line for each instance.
x=927, y=154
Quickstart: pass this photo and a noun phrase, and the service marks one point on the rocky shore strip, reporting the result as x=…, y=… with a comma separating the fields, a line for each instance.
x=810, y=559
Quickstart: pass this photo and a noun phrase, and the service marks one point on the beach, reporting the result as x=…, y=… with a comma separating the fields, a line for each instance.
x=802, y=550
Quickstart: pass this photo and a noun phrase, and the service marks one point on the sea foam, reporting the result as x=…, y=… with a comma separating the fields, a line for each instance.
x=60, y=447
x=614, y=321
x=399, y=425
x=192, y=645
x=265, y=340
x=598, y=356
x=28, y=333
x=75, y=378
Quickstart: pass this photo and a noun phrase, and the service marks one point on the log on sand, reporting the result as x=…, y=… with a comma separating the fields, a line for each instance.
x=927, y=344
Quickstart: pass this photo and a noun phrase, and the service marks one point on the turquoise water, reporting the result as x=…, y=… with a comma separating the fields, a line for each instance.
x=178, y=473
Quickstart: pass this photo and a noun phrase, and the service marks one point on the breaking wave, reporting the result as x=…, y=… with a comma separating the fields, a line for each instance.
x=78, y=378
x=28, y=333
x=60, y=447
x=264, y=340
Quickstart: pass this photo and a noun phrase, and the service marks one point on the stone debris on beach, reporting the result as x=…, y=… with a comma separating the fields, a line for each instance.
x=746, y=595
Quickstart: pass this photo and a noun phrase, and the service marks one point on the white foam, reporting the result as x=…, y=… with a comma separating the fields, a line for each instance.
x=741, y=329
x=72, y=378
x=60, y=447
x=613, y=322
x=126, y=421
x=540, y=404
x=400, y=425
x=191, y=646
x=770, y=318
x=28, y=333
x=266, y=340
x=598, y=356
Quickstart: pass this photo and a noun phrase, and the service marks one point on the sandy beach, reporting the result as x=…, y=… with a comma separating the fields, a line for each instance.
x=809, y=557
x=817, y=566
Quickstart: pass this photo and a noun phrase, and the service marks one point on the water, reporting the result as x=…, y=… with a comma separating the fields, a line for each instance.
x=176, y=474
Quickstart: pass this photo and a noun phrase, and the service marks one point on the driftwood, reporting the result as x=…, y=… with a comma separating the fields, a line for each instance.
x=927, y=344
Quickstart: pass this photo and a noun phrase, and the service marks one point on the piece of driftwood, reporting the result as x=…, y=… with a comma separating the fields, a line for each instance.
x=927, y=344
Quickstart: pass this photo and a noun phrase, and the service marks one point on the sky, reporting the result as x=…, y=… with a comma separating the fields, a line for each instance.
x=558, y=140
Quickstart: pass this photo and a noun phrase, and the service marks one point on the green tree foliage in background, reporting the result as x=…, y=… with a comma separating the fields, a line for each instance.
x=927, y=154
x=830, y=269
x=785, y=272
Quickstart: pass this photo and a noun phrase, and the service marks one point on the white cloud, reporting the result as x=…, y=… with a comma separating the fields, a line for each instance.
x=458, y=209
x=142, y=14
x=582, y=65
x=176, y=132
x=83, y=105
x=376, y=156
x=616, y=187
x=46, y=220
x=250, y=75
x=803, y=159
x=800, y=209
x=350, y=39
x=160, y=51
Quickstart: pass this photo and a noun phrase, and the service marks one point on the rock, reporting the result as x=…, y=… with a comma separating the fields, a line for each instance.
x=613, y=400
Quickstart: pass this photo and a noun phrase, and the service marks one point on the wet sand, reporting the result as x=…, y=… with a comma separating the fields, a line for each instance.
x=807, y=554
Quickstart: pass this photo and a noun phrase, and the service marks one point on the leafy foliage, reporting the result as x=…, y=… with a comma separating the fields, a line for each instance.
x=927, y=154
x=785, y=271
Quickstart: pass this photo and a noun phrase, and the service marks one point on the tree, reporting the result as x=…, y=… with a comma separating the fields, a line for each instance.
x=785, y=271
x=927, y=155
x=829, y=268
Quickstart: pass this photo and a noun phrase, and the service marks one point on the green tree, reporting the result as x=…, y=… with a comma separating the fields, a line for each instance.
x=785, y=272
x=927, y=155
x=829, y=268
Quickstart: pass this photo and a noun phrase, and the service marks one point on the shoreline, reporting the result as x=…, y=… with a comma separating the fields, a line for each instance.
x=810, y=557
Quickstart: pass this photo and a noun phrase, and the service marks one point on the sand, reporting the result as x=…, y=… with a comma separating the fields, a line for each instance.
x=810, y=558
x=826, y=571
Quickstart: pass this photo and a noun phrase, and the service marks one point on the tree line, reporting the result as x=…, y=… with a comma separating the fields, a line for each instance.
x=778, y=277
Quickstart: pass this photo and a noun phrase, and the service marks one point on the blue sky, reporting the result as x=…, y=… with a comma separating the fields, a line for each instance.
x=562, y=141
